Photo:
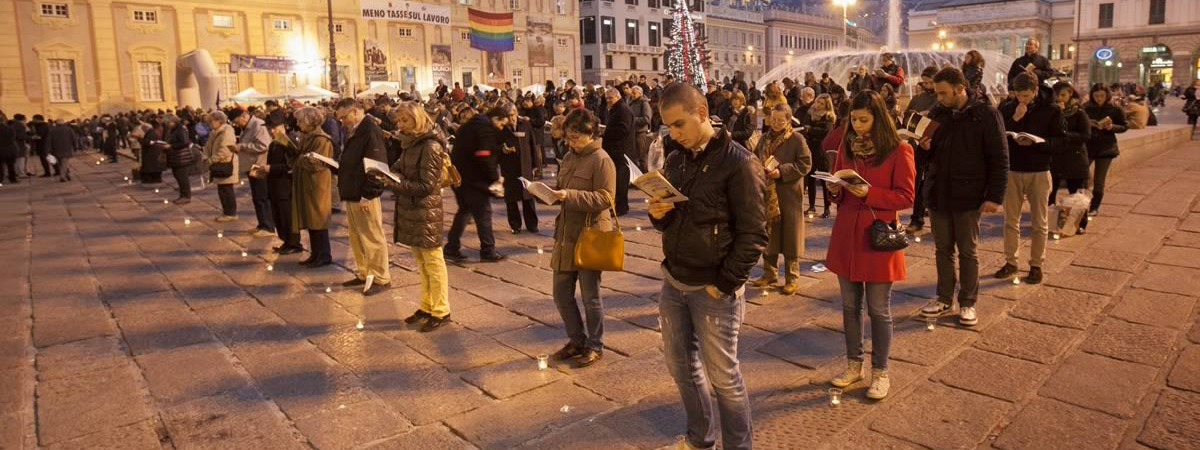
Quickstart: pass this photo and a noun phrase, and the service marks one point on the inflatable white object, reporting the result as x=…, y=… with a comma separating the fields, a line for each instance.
x=197, y=80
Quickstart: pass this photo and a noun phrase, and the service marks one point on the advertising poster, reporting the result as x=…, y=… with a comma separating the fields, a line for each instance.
x=374, y=61
x=540, y=41
x=495, y=68
x=441, y=63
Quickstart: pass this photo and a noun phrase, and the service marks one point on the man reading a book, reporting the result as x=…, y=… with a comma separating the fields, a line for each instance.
x=710, y=243
x=1028, y=116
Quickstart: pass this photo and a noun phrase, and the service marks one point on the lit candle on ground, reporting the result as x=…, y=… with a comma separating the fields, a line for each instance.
x=156, y=191
x=220, y=234
x=270, y=267
x=187, y=221
x=918, y=239
x=243, y=253
x=835, y=397
x=540, y=250
x=126, y=178
x=1016, y=280
x=165, y=201
x=930, y=324
x=543, y=362
x=359, y=325
x=639, y=228
x=328, y=289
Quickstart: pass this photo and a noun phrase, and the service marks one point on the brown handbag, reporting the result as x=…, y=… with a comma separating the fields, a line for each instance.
x=601, y=250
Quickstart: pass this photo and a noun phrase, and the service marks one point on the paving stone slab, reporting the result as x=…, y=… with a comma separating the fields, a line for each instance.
x=1133, y=342
x=1027, y=340
x=424, y=395
x=1086, y=279
x=170, y=327
x=651, y=423
x=488, y=319
x=456, y=348
x=81, y=357
x=350, y=426
x=636, y=310
x=187, y=373
x=1100, y=383
x=630, y=379
x=941, y=417
x=864, y=439
x=628, y=339
x=1186, y=372
x=139, y=436
x=1155, y=308
x=424, y=438
x=305, y=382
x=103, y=399
x=60, y=324
x=233, y=420
x=248, y=327
x=766, y=375
x=533, y=340
x=1174, y=423
x=785, y=315
x=809, y=346
x=582, y=435
x=976, y=371
x=370, y=354
x=1176, y=280
x=912, y=342
x=1178, y=256
x=527, y=416
x=508, y=378
x=1061, y=307
x=1184, y=239
x=1052, y=425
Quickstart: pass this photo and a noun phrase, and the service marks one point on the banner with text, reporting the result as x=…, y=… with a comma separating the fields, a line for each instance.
x=441, y=63
x=257, y=63
x=405, y=11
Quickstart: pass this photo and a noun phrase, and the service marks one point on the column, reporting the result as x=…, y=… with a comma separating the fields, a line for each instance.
x=257, y=45
x=104, y=46
x=12, y=91
x=185, y=17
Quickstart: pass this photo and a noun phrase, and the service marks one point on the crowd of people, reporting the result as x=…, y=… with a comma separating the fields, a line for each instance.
x=744, y=158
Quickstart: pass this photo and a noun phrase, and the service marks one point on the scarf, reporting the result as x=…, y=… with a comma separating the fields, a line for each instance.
x=862, y=146
x=770, y=145
x=1071, y=108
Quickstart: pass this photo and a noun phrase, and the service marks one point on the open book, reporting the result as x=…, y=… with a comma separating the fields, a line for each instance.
x=845, y=177
x=380, y=167
x=539, y=190
x=1033, y=137
x=917, y=126
x=657, y=186
x=771, y=164
x=322, y=159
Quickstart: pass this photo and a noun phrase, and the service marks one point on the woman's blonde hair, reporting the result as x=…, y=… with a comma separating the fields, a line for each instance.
x=311, y=116
x=421, y=120
x=827, y=101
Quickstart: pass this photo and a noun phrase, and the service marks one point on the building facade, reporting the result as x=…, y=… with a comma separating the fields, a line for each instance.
x=626, y=37
x=736, y=38
x=998, y=25
x=81, y=57
x=792, y=33
x=1142, y=41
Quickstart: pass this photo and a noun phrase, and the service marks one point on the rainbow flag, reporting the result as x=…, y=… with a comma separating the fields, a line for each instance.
x=491, y=32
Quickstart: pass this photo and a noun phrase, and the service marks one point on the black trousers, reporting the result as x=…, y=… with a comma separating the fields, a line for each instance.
x=183, y=180
x=475, y=204
x=622, y=200
x=63, y=168
x=918, y=212
x=529, y=207
x=262, y=203
x=9, y=169
x=228, y=200
x=281, y=210
x=46, y=164
x=318, y=243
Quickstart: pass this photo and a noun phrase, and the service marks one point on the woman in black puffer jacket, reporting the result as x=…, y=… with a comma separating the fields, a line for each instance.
x=418, y=217
x=1069, y=161
x=1106, y=121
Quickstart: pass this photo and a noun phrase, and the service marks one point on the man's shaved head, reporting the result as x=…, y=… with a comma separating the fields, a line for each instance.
x=685, y=95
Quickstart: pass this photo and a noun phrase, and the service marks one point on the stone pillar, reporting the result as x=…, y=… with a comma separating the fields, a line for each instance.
x=104, y=44
x=12, y=89
x=256, y=40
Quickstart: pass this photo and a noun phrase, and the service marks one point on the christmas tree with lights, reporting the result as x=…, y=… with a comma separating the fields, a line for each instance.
x=685, y=53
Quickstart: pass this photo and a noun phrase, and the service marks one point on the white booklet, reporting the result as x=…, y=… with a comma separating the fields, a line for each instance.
x=539, y=190
x=322, y=159
x=845, y=177
x=634, y=171
x=655, y=185
x=1033, y=137
x=380, y=167
x=771, y=164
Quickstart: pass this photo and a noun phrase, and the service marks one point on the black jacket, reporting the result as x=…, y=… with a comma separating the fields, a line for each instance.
x=1041, y=68
x=1069, y=159
x=618, y=133
x=279, y=178
x=1103, y=143
x=1042, y=119
x=741, y=126
x=968, y=157
x=179, y=154
x=476, y=153
x=365, y=141
x=716, y=236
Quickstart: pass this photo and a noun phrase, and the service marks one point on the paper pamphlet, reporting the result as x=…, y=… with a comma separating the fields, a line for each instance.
x=380, y=167
x=1035, y=138
x=847, y=177
x=322, y=159
x=917, y=126
x=539, y=190
x=771, y=164
x=634, y=171
x=657, y=186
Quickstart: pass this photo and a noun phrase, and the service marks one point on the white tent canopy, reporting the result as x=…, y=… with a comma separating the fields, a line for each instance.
x=250, y=95
x=309, y=92
x=536, y=89
x=388, y=88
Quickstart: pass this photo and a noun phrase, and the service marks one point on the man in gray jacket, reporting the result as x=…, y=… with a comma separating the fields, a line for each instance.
x=643, y=114
x=62, y=142
x=252, y=149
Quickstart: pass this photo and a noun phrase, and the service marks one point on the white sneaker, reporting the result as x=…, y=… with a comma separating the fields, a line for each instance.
x=880, y=384
x=936, y=308
x=967, y=316
x=853, y=373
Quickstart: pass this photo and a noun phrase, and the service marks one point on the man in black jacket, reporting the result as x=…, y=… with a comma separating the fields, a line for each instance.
x=921, y=102
x=477, y=148
x=1033, y=63
x=1028, y=171
x=363, y=213
x=618, y=141
x=710, y=243
x=967, y=175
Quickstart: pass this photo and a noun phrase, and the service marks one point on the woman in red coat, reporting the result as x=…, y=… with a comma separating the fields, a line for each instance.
x=871, y=148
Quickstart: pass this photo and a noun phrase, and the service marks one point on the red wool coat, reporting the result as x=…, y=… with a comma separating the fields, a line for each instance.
x=850, y=254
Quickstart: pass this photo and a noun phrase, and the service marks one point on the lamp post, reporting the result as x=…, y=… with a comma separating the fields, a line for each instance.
x=844, y=4
x=333, y=76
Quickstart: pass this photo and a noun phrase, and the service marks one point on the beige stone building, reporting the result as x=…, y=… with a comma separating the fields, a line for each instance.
x=1142, y=41
x=67, y=58
x=792, y=33
x=736, y=41
x=998, y=25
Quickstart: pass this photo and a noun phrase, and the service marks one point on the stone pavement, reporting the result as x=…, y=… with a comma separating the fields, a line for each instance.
x=127, y=323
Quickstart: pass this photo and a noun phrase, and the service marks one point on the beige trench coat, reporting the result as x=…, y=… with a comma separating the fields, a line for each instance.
x=216, y=150
x=590, y=179
x=311, y=200
x=787, y=233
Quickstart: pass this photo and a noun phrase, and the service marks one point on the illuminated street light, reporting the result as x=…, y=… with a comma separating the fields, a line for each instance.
x=844, y=4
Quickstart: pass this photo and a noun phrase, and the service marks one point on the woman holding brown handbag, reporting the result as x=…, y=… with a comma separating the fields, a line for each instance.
x=586, y=182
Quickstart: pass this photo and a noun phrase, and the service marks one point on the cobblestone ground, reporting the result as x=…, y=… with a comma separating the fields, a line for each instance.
x=125, y=326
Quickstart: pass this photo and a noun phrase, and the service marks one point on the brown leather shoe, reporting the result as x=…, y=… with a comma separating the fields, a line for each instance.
x=790, y=288
x=763, y=281
x=588, y=357
x=567, y=352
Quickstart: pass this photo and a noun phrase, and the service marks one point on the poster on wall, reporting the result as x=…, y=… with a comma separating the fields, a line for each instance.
x=495, y=68
x=540, y=42
x=374, y=61
x=441, y=63
x=259, y=63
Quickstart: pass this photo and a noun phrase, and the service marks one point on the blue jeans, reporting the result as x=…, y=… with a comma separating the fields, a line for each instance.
x=583, y=333
x=878, y=299
x=700, y=336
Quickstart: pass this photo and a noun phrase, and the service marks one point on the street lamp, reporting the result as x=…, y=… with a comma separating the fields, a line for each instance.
x=844, y=4
x=333, y=76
